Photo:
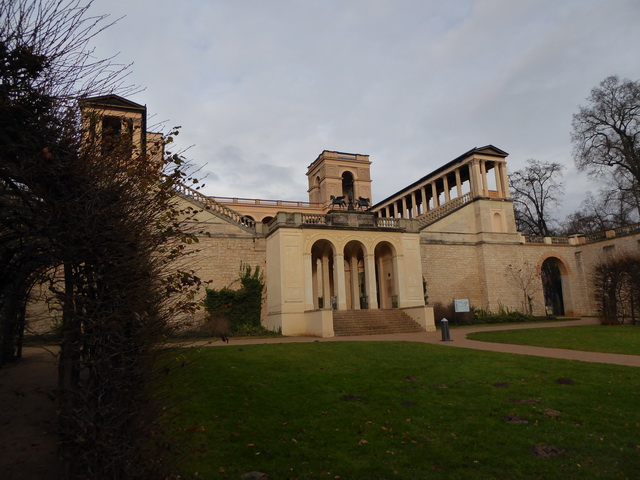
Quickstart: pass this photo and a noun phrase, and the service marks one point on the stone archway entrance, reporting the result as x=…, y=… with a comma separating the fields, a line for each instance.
x=355, y=279
x=554, y=285
x=322, y=271
x=386, y=277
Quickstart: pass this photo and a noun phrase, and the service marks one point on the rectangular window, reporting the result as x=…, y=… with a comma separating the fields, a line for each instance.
x=116, y=131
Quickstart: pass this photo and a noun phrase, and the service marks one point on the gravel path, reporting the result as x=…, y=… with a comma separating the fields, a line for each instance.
x=459, y=339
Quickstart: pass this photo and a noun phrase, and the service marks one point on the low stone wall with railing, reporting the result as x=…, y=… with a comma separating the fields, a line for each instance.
x=445, y=209
x=267, y=203
x=341, y=219
x=580, y=239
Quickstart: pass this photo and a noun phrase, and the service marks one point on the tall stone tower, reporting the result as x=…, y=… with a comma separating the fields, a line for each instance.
x=339, y=174
x=111, y=119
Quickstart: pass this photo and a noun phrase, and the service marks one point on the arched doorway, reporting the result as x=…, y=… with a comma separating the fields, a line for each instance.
x=347, y=187
x=322, y=271
x=386, y=275
x=554, y=289
x=355, y=278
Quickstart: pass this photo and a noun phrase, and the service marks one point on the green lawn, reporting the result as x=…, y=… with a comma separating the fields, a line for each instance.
x=378, y=410
x=593, y=338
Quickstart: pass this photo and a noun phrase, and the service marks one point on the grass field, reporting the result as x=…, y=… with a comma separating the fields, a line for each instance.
x=392, y=410
x=592, y=338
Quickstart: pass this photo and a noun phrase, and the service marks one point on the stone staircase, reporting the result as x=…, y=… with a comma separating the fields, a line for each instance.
x=217, y=208
x=373, y=322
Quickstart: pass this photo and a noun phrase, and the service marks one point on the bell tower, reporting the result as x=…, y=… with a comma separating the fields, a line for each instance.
x=339, y=174
x=111, y=120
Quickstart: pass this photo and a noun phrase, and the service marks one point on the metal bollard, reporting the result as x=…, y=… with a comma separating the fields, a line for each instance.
x=444, y=325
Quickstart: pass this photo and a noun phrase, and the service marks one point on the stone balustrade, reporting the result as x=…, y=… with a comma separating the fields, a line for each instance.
x=580, y=239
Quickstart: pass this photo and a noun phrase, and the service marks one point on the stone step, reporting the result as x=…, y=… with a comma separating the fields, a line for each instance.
x=373, y=322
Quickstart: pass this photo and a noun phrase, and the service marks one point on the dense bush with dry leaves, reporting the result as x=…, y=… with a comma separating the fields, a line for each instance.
x=616, y=284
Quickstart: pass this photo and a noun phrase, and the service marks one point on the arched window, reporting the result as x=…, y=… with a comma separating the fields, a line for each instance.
x=347, y=186
x=497, y=223
x=552, y=285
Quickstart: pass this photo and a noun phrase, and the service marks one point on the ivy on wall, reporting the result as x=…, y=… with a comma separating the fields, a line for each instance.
x=240, y=308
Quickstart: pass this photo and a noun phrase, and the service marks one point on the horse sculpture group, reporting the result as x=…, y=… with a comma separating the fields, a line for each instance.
x=361, y=202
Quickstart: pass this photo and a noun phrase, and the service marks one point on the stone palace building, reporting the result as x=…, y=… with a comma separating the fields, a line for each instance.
x=344, y=262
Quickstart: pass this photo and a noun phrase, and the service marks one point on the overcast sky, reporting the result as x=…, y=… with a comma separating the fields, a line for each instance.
x=261, y=87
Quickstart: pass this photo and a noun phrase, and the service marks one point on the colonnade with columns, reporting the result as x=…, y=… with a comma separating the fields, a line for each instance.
x=335, y=277
x=466, y=176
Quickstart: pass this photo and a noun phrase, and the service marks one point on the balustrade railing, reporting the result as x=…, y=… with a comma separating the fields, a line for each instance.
x=627, y=230
x=385, y=222
x=443, y=210
x=588, y=238
x=533, y=239
x=214, y=206
x=594, y=237
x=268, y=203
x=314, y=219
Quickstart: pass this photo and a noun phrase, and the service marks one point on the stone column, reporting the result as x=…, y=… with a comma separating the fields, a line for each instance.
x=326, y=282
x=434, y=193
x=458, y=183
x=316, y=286
x=371, y=287
x=445, y=182
x=339, y=281
x=483, y=173
x=414, y=206
x=398, y=277
x=404, y=207
x=505, y=179
x=475, y=179
x=497, y=173
x=308, y=282
x=425, y=201
x=355, y=291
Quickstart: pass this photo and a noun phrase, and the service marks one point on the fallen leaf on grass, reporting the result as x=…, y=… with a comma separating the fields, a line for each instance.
x=515, y=419
x=547, y=451
x=551, y=413
x=564, y=381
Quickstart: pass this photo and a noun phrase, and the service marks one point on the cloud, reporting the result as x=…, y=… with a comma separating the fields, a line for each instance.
x=261, y=88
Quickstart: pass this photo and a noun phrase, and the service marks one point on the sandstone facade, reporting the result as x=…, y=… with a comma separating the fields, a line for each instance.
x=448, y=235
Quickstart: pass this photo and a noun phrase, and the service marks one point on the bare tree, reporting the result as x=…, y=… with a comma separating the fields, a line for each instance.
x=606, y=132
x=536, y=191
x=46, y=64
x=100, y=226
x=615, y=206
x=527, y=278
x=616, y=283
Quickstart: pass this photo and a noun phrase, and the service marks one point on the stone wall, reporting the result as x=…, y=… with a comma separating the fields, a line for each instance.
x=223, y=246
x=476, y=268
x=457, y=262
